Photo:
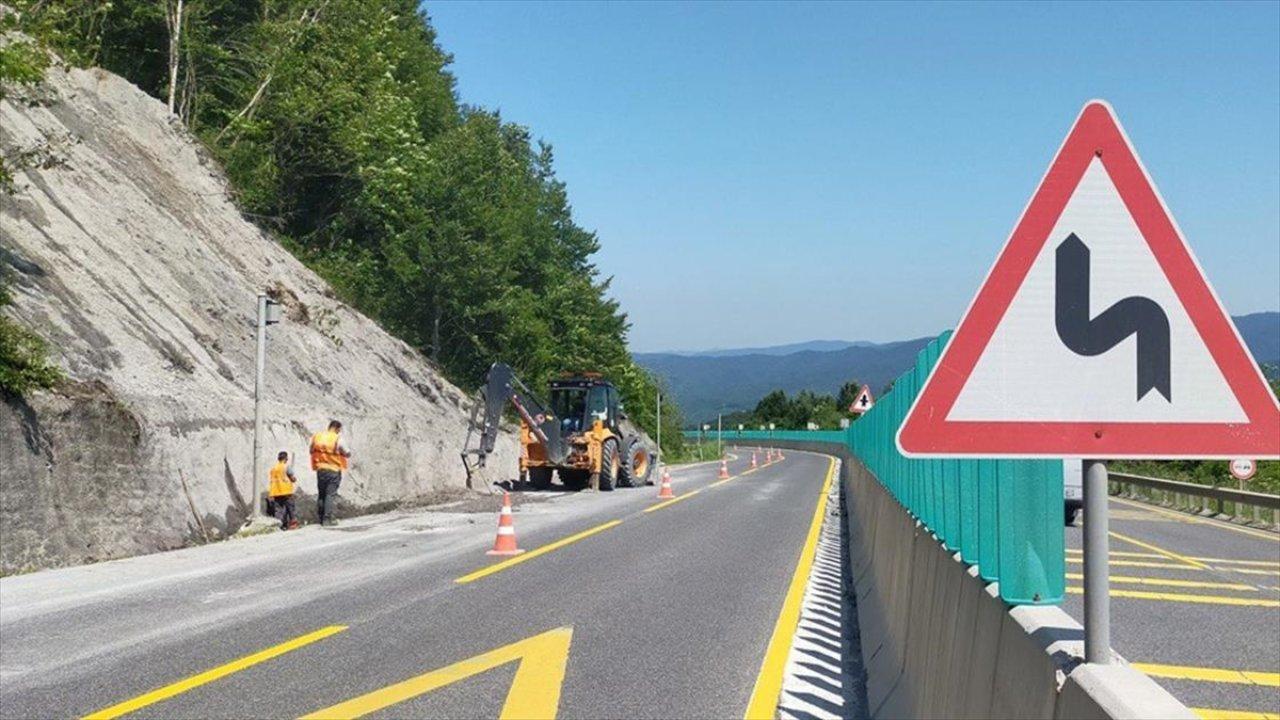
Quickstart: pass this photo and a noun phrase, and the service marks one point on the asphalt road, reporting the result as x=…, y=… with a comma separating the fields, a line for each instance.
x=1195, y=604
x=666, y=613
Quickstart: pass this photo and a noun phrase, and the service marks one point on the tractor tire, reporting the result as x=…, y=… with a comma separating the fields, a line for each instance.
x=637, y=463
x=540, y=478
x=610, y=464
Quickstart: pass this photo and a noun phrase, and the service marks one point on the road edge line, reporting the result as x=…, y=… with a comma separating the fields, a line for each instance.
x=536, y=552
x=763, y=704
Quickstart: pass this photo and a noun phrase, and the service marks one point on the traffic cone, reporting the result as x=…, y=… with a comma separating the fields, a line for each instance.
x=664, y=490
x=505, y=542
x=768, y=456
x=753, y=460
x=724, y=469
x=780, y=453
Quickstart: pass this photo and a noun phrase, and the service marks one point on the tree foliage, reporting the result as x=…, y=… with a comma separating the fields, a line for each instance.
x=340, y=128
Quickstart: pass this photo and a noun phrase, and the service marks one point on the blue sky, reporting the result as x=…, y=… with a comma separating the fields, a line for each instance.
x=768, y=173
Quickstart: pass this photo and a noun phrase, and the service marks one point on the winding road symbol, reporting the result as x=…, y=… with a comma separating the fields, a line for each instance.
x=1134, y=315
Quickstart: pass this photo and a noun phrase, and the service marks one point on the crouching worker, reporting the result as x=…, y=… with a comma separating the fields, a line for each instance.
x=328, y=459
x=280, y=490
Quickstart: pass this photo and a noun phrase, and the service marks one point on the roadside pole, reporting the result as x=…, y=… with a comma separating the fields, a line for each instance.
x=719, y=435
x=657, y=396
x=1097, y=590
x=259, y=365
x=268, y=314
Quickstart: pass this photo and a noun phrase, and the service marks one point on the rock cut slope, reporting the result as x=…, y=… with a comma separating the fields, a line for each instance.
x=124, y=250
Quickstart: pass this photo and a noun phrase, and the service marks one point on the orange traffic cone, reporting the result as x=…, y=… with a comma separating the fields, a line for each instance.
x=664, y=490
x=724, y=469
x=779, y=453
x=753, y=460
x=768, y=456
x=505, y=543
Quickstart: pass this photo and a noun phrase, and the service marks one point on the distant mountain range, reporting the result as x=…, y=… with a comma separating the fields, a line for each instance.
x=711, y=381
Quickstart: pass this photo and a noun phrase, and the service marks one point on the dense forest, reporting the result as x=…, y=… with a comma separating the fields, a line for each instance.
x=340, y=128
x=797, y=411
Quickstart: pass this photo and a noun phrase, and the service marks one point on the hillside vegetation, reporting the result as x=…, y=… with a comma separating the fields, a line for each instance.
x=339, y=126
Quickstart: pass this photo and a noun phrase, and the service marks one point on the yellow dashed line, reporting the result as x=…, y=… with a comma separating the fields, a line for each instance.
x=1224, y=561
x=209, y=676
x=672, y=501
x=1208, y=674
x=1139, y=563
x=1185, y=598
x=1159, y=582
x=498, y=567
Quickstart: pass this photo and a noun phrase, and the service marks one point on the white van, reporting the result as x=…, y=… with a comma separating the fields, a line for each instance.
x=1072, y=489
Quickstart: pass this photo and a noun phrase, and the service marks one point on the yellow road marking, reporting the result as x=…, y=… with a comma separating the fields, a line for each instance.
x=1126, y=580
x=720, y=482
x=209, y=676
x=1138, y=563
x=1261, y=563
x=1208, y=674
x=1167, y=553
x=1215, y=714
x=500, y=566
x=1199, y=520
x=534, y=693
x=1184, y=598
x=768, y=687
x=1248, y=571
x=672, y=501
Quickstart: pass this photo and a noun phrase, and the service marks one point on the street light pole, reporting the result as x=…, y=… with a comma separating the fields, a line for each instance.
x=260, y=363
x=719, y=434
x=657, y=398
x=268, y=314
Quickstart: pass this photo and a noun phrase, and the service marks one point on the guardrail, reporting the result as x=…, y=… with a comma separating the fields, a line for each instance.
x=1239, y=505
x=1004, y=516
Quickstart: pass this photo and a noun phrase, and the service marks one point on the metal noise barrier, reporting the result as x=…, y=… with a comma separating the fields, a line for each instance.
x=1004, y=516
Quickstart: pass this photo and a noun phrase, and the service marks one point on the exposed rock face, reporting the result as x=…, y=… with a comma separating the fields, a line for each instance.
x=128, y=256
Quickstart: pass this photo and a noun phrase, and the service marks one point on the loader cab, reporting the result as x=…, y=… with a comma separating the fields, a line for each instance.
x=580, y=399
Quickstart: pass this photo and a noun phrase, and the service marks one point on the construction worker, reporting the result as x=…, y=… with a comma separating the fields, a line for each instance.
x=280, y=490
x=328, y=459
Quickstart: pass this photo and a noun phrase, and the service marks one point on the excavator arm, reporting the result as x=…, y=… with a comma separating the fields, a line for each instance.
x=503, y=386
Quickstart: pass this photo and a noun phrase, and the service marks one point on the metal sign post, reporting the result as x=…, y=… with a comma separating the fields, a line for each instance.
x=1097, y=582
x=657, y=400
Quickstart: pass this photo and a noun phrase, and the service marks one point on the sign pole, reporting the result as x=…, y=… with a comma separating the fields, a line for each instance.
x=657, y=404
x=1097, y=590
x=259, y=369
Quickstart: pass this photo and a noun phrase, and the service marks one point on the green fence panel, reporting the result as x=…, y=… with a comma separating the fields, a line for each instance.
x=1029, y=522
x=969, y=517
x=988, y=537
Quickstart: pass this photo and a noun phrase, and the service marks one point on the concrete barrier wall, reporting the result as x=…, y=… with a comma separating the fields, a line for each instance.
x=937, y=641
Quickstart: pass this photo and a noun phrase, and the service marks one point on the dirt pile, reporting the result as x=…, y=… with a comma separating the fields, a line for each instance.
x=125, y=252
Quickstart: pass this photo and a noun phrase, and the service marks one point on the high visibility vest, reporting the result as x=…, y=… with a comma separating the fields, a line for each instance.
x=324, y=452
x=280, y=485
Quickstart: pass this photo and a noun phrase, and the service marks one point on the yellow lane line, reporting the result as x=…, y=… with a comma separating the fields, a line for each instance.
x=1258, y=563
x=1184, y=598
x=1209, y=674
x=209, y=676
x=672, y=501
x=534, y=693
x=1139, y=563
x=1248, y=571
x=1167, y=553
x=720, y=482
x=1126, y=580
x=768, y=687
x=1215, y=714
x=549, y=547
x=1199, y=520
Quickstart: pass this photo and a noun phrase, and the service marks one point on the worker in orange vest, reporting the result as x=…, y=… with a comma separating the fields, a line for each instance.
x=280, y=489
x=329, y=458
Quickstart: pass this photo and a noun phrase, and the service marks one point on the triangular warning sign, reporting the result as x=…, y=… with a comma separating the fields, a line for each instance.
x=864, y=402
x=1095, y=334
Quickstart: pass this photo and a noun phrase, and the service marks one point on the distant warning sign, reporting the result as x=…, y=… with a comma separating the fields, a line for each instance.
x=863, y=402
x=1096, y=333
x=1243, y=468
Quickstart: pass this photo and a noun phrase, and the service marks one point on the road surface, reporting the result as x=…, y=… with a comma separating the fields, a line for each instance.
x=1195, y=604
x=622, y=607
